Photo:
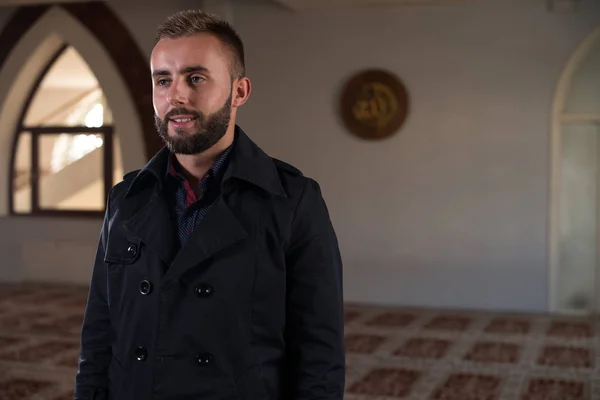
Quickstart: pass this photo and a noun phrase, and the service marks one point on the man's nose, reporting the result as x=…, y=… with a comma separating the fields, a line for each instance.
x=178, y=94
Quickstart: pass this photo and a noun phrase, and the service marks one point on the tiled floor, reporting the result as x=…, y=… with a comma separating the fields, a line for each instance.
x=392, y=353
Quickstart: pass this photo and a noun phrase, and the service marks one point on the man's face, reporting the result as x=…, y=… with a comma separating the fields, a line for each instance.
x=192, y=92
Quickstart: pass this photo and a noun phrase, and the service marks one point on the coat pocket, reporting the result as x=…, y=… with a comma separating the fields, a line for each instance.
x=122, y=251
x=121, y=258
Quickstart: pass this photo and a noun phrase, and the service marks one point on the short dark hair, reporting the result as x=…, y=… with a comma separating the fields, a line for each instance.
x=193, y=22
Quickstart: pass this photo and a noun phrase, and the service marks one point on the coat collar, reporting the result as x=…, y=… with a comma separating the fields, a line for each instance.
x=248, y=162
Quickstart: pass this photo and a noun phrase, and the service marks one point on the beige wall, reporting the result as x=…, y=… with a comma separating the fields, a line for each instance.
x=450, y=212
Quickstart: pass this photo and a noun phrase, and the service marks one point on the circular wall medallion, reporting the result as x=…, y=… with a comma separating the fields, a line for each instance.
x=374, y=104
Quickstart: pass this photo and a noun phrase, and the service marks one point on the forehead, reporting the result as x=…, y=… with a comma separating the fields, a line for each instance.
x=202, y=49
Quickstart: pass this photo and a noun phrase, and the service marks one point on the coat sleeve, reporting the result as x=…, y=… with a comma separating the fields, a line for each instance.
x=95, y=349
x=315, y=316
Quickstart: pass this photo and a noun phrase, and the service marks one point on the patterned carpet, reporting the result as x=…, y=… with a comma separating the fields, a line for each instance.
x=392, y=353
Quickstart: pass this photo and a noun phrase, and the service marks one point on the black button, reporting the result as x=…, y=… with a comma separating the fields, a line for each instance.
x=145, y=287
x=204, y=290
x=132, y=250
x=141, y=353
x=205, y=359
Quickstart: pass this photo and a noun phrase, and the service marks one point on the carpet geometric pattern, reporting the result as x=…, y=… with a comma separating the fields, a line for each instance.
x=392, y=353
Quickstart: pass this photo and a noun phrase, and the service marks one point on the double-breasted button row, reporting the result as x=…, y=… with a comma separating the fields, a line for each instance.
x=202, y=291
x=203, y=359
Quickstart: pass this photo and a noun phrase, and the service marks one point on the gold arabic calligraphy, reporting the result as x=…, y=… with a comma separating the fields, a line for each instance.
x=376, y=105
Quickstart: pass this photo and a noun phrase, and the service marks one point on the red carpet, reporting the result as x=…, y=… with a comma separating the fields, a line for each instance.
x=392, y=353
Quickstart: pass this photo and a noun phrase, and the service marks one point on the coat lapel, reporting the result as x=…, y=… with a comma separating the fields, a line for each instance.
x=218, y=230
x=144, y=199
x=153, y=225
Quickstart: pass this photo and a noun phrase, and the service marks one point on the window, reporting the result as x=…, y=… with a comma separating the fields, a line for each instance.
x=65, y=152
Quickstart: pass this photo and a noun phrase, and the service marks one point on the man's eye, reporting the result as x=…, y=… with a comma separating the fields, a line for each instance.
x=196, y=79
x=162, y=82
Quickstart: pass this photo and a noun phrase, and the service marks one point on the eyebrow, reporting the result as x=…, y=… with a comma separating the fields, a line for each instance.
x=186, y=70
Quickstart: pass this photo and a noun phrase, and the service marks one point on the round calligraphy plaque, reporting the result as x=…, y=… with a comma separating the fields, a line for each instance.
x=374, y=104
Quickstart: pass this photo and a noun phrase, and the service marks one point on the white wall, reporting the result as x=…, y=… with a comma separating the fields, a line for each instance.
x=142, y=25
x=47, y=249
x=453, y=210
x=450, y=212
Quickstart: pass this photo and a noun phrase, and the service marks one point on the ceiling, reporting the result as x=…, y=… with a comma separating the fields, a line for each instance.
x=296, y=4
x=299, y=5
x=29, y=2
x=302, y=5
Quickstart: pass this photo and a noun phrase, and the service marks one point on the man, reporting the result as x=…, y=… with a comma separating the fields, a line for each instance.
x=218, y=274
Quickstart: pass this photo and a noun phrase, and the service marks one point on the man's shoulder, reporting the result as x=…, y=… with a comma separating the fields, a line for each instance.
x=119, y=190
x=295, y=182
x=292, y=179
x=130, y=176
x=128, y=179
x=284, y=167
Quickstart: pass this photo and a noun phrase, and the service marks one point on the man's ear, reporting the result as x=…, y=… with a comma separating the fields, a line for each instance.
x=241, y=91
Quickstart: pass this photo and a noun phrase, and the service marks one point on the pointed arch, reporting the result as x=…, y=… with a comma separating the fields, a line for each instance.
x=563, y=89
x=35, y=34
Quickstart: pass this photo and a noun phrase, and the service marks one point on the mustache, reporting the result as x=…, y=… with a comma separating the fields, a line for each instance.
x=181, y=111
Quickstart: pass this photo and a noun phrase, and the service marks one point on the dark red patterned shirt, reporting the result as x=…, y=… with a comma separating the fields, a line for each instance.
x=186, y=208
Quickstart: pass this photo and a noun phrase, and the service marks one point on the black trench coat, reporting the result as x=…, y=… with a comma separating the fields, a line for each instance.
x=250, y=308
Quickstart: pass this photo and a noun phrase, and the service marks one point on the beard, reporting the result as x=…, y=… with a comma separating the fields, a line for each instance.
x=210, y=129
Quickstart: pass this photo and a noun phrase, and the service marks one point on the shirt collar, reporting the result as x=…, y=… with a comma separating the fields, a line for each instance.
x=219, y=166
x=245, y=161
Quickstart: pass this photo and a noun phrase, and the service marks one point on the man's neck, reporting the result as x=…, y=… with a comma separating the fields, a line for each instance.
x=195, y=166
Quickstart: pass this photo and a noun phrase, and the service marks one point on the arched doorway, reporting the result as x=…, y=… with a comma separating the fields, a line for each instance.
x=65, y=154
x=575, y=198
x=35, y=35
